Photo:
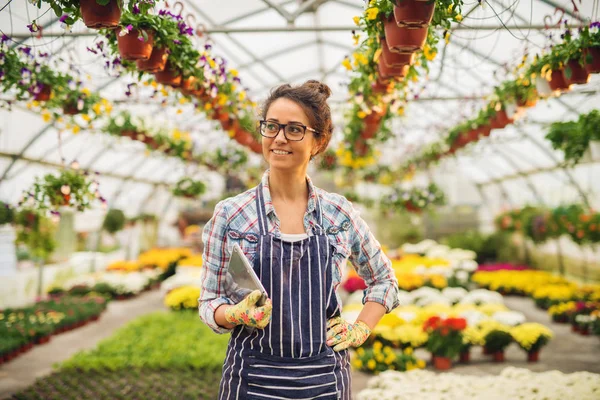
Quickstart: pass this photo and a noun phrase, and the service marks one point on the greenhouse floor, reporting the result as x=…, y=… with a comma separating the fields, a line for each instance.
x=567, y=352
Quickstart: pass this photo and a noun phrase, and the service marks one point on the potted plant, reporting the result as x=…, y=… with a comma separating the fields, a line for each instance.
x=496, y=341
x=189, y=188
x=114, y=221
x=531, y=337
x=71, y=188
x=445, y=339
x=135, y=35
x=589, y=39
x=413, y=13
x=96, y=14
x=36, y=232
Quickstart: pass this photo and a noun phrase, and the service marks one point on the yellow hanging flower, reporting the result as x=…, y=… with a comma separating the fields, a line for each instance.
x=458, y=17
x=346, y=64
x=234, y=72
x=242, y=95
x=76, y=129
x=46, y=116
x=361, y=114
x=356, y=39
x=356, y=20
x=86, y=117
x=429, y=52
x=447, y=37
x=183, y=100
x=179, y=111
x=372, y=13
x=450, y=7
x=85, y=91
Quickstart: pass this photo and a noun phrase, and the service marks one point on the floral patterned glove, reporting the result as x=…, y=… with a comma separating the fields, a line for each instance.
x=342, y=334
x=247, y=312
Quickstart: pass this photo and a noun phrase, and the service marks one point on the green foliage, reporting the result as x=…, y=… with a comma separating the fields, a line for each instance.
x=70, y=188
x=173, y=340
x=114, y=221
x=188, y=187
x=487, y=247
x=6, y=214
x=36, y=232
x=573, y=137
x=415, y=199
x=497, y=340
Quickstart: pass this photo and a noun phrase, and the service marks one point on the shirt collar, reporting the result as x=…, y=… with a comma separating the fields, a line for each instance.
x=312, y=194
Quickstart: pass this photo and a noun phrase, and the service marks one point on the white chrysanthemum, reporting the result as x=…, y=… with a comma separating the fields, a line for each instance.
x=511, y=318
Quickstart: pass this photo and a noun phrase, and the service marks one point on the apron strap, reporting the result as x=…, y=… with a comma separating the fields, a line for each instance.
x=261, y=210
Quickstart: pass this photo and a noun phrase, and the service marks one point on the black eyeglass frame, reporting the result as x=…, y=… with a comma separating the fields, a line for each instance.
x=282, y=126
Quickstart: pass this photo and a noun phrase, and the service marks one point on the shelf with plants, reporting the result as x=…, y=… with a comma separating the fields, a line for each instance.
x=575, y=138
x=570, y=62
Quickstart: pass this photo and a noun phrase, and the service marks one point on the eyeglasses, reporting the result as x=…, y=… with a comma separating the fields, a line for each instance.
x=292, y=132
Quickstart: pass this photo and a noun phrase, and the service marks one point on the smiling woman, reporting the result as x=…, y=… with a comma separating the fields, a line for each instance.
x=299, y=238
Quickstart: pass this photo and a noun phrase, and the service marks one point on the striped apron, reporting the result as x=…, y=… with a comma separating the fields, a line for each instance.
x=289, y=359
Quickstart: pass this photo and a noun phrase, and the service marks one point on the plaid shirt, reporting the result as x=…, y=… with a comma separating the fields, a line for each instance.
x=235, y=220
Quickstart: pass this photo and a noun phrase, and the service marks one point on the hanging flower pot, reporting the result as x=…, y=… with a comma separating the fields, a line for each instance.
x=533, y=356
x=169, y=76
x=133, y=45
x=575, y=73
x=70, y=109
x=361, y=147
x=591, y=56
x=191, y=86
x=500, y=120
x=557, y=81
x=97, y=16
x=413, y=13
x=372, y=122
x=442, y=363
x=44, y=93
x=394, y=59
x=255, y=147
x=386, y=72
x=543, y=87
x=156, y=62
x=381, y=86
x=243, y=137
x=403, y=40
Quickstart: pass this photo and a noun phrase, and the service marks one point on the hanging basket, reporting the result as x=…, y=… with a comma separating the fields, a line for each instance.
x=403, y=40
x=191, y=87
x=132, y=48
x=413, y=13
x=96, y=16
x=169, y=76
x=44, y=93
x=591, y=56
x=500, y=120
x=386, y=72
x=372, y=123
x=557, y=81
x=381, y=86
x=575, y=73
x=394, y=59
x=156, y=62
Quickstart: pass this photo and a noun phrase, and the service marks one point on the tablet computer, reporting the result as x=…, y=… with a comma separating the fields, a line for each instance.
x=243, y=274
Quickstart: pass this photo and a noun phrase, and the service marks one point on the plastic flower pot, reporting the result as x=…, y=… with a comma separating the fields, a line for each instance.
x=394, y=59
x=169, y=76
x=498, y=356
x=380, y=86
x=533, y=356
x=591, y=56
x=486, y=351
x=575, y=74
x=96, y=16
x=442, y=363
x=413, y=13
x=557, y=81
x=465, y=357
x=156, y=62
x=44, y=93
x=132, y=48
x=403, y=40
x=386, y=72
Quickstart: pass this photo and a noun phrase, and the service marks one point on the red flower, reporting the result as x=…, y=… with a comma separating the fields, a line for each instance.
x=432, y=323
x=457, y=324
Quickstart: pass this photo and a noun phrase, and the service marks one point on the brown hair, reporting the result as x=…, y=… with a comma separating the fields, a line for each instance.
x=312, y=97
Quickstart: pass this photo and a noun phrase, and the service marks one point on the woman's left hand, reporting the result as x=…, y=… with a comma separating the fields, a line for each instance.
x=342, y=334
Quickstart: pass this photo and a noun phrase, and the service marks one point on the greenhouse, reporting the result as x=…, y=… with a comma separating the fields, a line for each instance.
x=332, y=199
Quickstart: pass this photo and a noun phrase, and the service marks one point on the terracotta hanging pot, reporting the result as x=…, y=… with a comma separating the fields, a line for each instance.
x=169, y=76
x=44, y=93
x=96, y=16
x=575, y=73
x=391, y=72
x=243, y=137
x=403, y=40
x=500, y=120
x=70, y=109
x=156, y=62
x=255, y=146
x=132, y=48
x=381, y=86
x=413, y=13
x=360, y=147
x=591, y=56
x=394, y=59
x=557, y=81
x=190, y=86
x=372, y=124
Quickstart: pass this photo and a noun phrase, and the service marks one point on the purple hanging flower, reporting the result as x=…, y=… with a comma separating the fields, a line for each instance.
x=25, y=50
x=176, y=41
x=5, y=38
x=135, y=10
x=595, y=24
x=33, y=27
x=63, y=18
x=207, y=46
x=91, y=50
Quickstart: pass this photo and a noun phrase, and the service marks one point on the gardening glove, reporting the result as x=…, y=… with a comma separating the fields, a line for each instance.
x=342, y=334
x=248, y=313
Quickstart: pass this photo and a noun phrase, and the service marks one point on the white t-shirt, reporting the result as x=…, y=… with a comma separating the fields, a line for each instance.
x=293, y=237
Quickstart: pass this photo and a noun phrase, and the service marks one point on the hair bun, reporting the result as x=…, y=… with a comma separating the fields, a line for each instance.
x=319, y=86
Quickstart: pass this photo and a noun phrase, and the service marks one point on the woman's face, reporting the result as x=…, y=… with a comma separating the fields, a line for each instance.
x=285, y=154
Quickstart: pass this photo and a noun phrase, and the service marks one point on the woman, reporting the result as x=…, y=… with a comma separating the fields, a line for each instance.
x=294, y=345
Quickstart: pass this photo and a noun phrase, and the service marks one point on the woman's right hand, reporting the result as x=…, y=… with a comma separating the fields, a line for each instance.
x=248, y=313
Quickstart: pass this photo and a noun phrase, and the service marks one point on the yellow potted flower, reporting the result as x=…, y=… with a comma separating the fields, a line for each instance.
x=531, y=337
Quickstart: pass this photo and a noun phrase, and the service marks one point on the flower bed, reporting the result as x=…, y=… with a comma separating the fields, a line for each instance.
x=114, y=284
x=21, y=328
x=512, y=383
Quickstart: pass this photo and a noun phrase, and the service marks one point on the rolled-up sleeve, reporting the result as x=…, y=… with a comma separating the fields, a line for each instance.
x=214, y=276
x=371, y=263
